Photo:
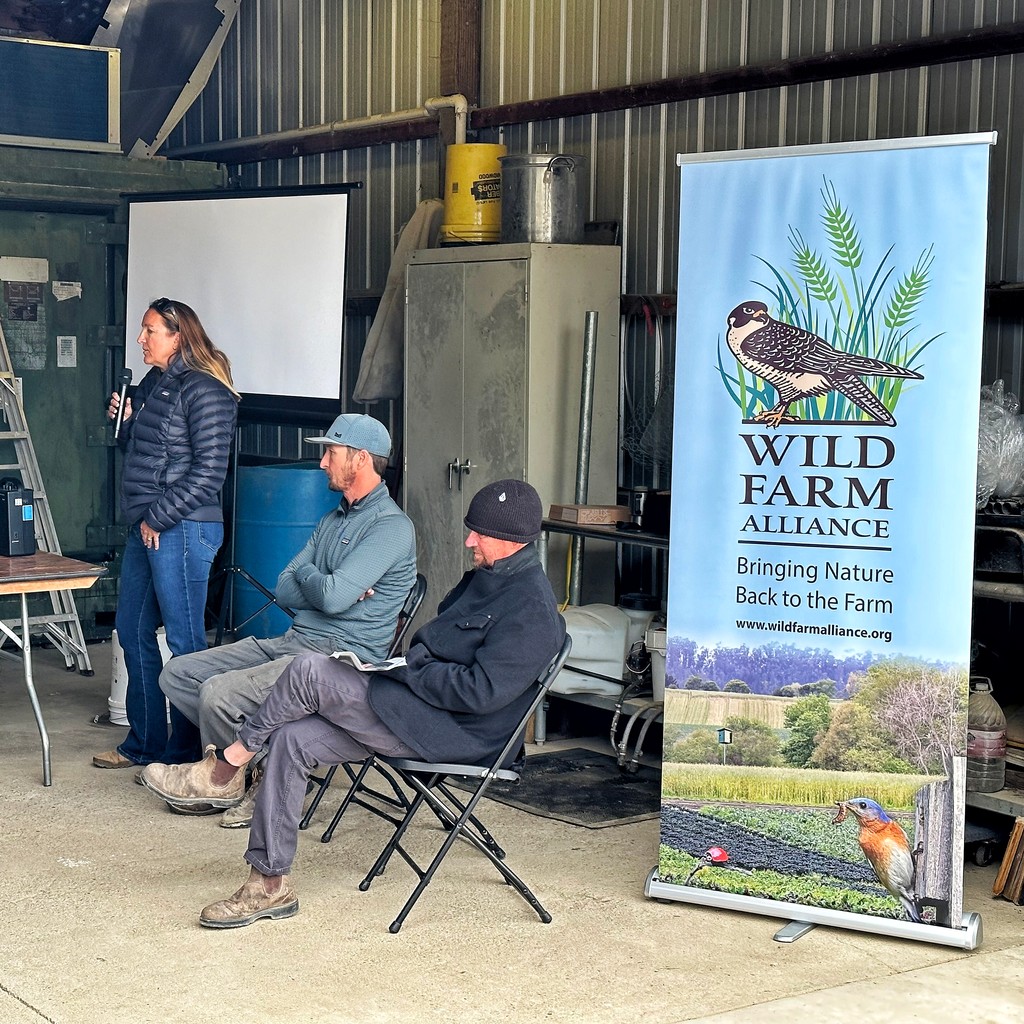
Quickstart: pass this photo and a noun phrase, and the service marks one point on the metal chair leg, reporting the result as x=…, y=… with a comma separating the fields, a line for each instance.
x=315, y=802
x=459, y=830
x=428, y=781
x=357, y=781
x=394, y=843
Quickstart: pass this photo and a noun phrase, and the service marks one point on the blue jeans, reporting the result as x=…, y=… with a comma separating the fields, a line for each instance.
x=167, y=584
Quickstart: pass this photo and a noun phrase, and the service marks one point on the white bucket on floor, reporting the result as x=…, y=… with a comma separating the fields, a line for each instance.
x=119, y=677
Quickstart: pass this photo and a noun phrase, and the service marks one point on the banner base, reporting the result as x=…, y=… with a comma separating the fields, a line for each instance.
x=968, y=936
x=793, y=931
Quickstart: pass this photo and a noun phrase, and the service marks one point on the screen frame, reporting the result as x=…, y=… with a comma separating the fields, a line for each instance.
x=222, y=241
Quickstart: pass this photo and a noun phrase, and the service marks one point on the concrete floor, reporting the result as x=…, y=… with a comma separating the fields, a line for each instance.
x=101, y=887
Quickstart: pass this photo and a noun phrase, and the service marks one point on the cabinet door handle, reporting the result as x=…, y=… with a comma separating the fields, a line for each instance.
x=454, y=466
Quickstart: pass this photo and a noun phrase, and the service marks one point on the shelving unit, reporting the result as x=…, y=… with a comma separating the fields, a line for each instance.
x=594, y=700
x=1008, y=800
x=617, y=537
x=999, y=551
x=608, y=533
x=999, y=590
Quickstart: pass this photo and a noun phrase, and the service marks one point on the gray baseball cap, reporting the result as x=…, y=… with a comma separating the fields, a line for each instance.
x=354, y=430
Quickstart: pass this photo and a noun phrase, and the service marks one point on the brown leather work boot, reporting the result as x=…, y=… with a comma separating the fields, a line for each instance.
x=250, y=903
x=112, y=759
x=189, y=784
x=240, y=816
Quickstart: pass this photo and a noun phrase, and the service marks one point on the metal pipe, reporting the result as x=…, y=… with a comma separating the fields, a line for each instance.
x=459, y=104
x=296, y=136
x=586, y=406
x=583, y=445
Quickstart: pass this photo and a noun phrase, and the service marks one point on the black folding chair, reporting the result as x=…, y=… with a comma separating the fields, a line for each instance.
x=428, y=782
x=271, y=598
x=356, y=779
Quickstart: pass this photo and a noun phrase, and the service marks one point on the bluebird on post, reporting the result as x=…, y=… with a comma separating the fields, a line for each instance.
x=887, y=849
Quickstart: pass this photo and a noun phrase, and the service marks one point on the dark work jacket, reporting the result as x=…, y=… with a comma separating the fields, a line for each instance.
x=468, y=674
x=177, y=443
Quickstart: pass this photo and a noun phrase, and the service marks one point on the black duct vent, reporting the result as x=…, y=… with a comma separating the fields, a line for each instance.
x=168, y=49
x=59, y=21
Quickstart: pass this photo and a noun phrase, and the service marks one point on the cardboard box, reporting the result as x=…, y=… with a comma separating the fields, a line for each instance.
x=590, y=515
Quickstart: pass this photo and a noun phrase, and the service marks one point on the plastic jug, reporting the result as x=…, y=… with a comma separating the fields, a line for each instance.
x=986, y=739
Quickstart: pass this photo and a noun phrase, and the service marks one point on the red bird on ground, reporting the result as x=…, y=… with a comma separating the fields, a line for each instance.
x=887, y=849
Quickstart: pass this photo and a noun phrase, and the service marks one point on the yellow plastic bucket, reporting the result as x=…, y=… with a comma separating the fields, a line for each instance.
x=472, y=193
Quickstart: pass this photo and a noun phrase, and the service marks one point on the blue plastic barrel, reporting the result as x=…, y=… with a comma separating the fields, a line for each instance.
x=276, y=508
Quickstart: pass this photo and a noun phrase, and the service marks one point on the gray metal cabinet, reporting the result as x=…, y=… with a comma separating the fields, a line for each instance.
x=493, y=364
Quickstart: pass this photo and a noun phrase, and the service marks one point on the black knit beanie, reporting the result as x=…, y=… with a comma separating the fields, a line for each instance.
x=506, y=510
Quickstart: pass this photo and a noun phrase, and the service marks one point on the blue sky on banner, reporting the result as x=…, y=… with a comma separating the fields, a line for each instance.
x=918, y=216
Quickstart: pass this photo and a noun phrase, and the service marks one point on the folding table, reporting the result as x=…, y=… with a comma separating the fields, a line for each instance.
x=33, y=574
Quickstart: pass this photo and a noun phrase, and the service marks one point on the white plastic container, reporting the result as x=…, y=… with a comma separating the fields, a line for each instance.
x=600, y=641
x=639, y=609
x=600, y=638
x=119, y=677
x=656, y=641
x=602, y=635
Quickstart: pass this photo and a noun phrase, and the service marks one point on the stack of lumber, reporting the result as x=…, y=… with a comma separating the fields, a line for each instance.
x=1015, y=735
x=1010, y=878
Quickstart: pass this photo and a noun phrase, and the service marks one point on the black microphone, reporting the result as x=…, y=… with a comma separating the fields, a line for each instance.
x=126, y=379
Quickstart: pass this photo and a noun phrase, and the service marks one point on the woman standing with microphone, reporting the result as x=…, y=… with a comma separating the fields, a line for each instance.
x=176, y=431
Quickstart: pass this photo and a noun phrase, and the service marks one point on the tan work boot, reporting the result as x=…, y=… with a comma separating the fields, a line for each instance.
x=250, y=903
x=112, y=759
x=189, y=784
x=240, y=816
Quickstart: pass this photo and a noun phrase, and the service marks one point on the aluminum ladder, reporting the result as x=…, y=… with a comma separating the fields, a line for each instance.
x=62, y=627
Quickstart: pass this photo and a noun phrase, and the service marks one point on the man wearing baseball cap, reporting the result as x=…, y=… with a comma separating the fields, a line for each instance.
x=467, y=681
x=346, y=587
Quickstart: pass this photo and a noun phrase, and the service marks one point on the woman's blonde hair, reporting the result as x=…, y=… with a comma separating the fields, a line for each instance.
x=197, y=350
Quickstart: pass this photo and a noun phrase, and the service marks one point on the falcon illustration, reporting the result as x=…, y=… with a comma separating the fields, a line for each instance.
x=799, y=364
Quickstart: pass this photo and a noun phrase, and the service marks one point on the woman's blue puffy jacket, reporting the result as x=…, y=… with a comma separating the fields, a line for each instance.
x=177, y=443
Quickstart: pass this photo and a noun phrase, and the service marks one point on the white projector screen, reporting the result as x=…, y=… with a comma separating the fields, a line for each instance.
x=265, y=272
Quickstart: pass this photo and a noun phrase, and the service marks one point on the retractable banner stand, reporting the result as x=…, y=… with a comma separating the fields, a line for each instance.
x=825, y=449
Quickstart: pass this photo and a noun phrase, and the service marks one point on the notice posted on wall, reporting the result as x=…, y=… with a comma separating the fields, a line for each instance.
x=67, y=350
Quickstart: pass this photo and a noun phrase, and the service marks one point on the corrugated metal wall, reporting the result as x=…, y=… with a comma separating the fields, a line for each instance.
x=295, y=63
x=539, y=48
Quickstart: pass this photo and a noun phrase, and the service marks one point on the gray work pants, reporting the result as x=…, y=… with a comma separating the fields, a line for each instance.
x=316, y=713
x=219, y=688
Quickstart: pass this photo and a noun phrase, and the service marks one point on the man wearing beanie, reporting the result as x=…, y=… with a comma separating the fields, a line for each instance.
x=467, y=681
x=346, y=587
